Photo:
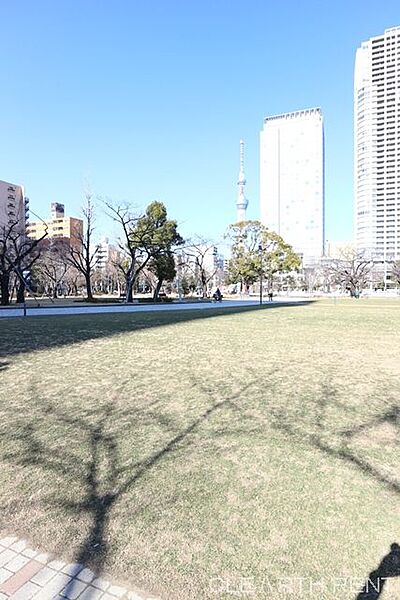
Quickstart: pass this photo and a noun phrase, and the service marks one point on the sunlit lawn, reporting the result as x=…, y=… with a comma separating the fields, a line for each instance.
x=186, y=452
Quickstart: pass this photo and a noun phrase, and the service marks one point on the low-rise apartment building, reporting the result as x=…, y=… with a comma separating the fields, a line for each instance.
x=59, y=227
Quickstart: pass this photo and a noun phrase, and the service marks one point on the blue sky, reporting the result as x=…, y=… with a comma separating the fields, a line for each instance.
x=148, y=99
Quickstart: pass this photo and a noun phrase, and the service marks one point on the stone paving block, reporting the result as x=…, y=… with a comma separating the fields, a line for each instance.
x=22, y=576
x=57, y=565
x=101, y=583
x=72, y=569
x=53, y=588
x=6, y=556
x=27, y=574
x=86, y=575
x=29, y=552
x=4, y=575
x=43, y=576
x=17, y=563
x=116, y=590
x=74, y=589
x=42, y=558
x=19, y=546
x=8, y=541
x=26, y=592
x=91, y=593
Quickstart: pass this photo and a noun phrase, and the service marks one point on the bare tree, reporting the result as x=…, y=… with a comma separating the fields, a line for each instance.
x=84, y=255
x=73, y=281
x=198, y=254
x=112, y=273
x=18, y=253
x=127, y=260
x=352, y=271
x=52, y=267
x=143, y=237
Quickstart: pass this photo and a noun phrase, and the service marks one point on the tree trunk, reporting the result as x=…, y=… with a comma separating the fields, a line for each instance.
x=129, y=291
x=89, y=294
x=157, y=290
x=21, y=293
x=5, y=291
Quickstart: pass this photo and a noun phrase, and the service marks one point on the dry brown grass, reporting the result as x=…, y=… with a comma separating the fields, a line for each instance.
x=258, y=443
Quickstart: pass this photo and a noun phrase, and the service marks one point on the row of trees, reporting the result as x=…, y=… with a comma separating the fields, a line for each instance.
x=259, y=254
x=150, y=251
x=353, y=271
x=147, y=241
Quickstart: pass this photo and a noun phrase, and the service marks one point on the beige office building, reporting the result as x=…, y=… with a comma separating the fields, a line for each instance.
x=59, y=227
x=13, y=207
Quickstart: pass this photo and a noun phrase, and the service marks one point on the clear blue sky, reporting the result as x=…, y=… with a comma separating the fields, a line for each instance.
x=148, y=99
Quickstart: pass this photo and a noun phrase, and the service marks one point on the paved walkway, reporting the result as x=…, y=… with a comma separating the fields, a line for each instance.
x=124, y=308
x=27, y=574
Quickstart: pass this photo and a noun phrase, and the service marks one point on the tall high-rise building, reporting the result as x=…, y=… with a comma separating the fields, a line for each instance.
x=377, y=146
x=14, y=207
x=292, y=199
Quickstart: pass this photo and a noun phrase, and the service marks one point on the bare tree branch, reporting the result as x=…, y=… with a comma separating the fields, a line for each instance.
x=18, y=253
x=84, y=256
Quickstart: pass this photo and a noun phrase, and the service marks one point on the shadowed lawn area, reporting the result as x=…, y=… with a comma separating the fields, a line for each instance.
x=186, y=452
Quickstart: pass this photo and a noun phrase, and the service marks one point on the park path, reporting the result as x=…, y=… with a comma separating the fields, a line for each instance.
x=134, y=308
x=28, y=574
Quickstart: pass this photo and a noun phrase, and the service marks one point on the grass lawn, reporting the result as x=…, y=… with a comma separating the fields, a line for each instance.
x=184, y=452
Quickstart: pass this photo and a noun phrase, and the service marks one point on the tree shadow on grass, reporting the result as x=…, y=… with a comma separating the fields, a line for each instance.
x=21, y=335
x=104, y=477
x=312, y=427
x=338, y=443
x=389, y=567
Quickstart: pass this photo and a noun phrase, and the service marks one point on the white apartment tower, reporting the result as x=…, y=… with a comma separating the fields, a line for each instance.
x=377, y=146
x=292, y=180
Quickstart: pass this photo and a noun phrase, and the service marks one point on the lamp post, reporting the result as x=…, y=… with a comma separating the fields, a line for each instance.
x=260, y=248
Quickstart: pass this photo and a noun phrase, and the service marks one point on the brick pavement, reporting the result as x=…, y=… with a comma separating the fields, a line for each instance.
x=28, y=574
